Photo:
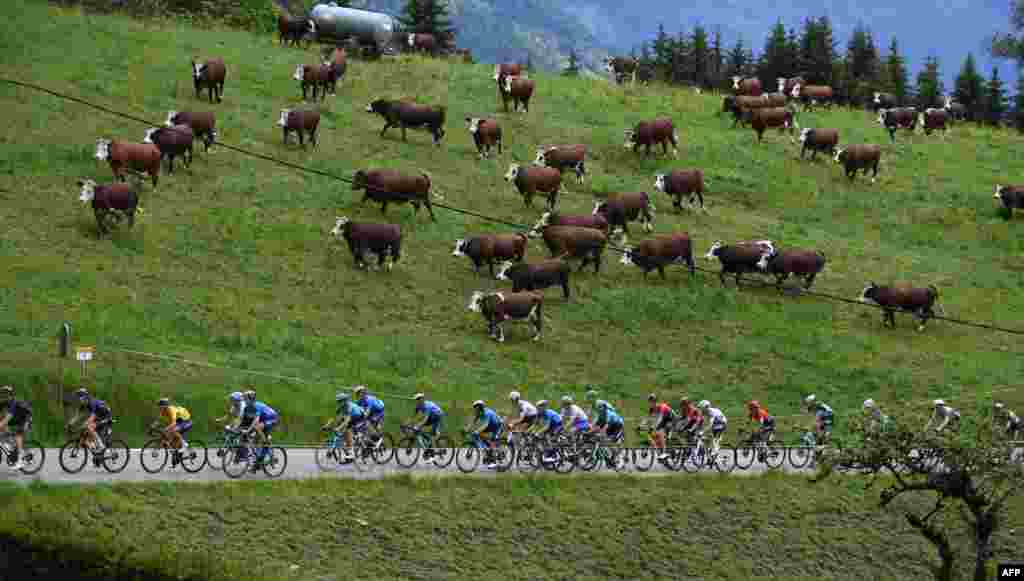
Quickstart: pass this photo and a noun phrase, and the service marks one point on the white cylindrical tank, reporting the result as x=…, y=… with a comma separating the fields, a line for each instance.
x=339, y=22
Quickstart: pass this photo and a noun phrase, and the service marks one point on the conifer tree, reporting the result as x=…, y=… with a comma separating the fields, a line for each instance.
x=929, y=84
x=428, y=17
x=995, y=98
x=969, y=87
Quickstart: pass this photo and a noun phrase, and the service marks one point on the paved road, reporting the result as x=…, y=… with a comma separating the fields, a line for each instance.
x=301, y=465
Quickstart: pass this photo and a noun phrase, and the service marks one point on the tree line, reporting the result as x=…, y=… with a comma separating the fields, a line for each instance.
x=855, y=72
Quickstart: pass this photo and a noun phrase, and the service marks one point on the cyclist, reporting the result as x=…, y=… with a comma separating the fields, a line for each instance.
x=719, y=423
x=608, y=421
x=97, y=420
x=663, y=417
x=487, y=430
x=823, y=418
x=942, y=416
x=591, y=398
x=551, y=424
x=373, y=407
x=179, y=422
x=1013, y=426
x=764, y=420
x=574, y=415
x=16, y=418
x=349, y=418
x=527, y=412
x=694, y=417
x=877, y=422
x=235, y=407
x=260, y=417
x=431, y=415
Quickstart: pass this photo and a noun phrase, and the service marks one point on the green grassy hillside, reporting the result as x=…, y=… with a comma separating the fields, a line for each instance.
x=232, y=264
x=459, y=528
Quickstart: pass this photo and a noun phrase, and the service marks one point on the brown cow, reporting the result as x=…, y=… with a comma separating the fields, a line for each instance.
x=141, y=157
x=338, y=63
x=917, y=301
x=562, y=157
x=537, y=275
x=172, y=141
x=811, y=95
x=491, y=247
x=384, y=240
x=648, y=133
x=741, y=105
x=762, y=119
x=110, y=202
x=817, y=140
x=203, y=124
x=406, y=114
x=741, y=257
x=679, y=183
x=535, y=179
x=518, y=90
x=660, y=251
x=595, y=221
x=749, y=86
x=586, y=244
x=486, y=133
x=210, y=75
x=506, y=69
x=1011, y=197
x=621, y=208
x=421, y=42
x=898, y=118
x=389, y=186
x=932, y=120
x=619, y=67
x=301, y=122
x=316, y=76
x=802, y=263
x=498, y=307
x=294, y=29
x=857, y=157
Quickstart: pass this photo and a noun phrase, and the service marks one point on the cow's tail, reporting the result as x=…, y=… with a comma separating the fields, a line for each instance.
x=935, y=299
x=443, y=111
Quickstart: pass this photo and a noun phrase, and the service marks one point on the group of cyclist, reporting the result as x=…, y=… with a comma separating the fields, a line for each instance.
x=363, y=411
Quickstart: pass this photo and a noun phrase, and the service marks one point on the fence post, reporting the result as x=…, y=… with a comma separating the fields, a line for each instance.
x=63, y=350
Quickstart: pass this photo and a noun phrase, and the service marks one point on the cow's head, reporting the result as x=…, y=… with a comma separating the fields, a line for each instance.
x=782, y=84
x=600, y=208
x=88, y=190
x=503, y=270
x=198, y=70
x=411, y=40
x=795, y=93
x=476, y=301
x=659, y=182
x=609, y=65
x=339, y=225
x=878, y=98
x=460, y=247
x=311, y=28
x=713, y=252
x=172, y=118
x=882, y=114
x=102, y=149
x=868, y=294
x=838, y=157
x=804, y=133
x=473, y=124
x=999, y=192
x=736, y=82
x=283, y=121
x=512, y=173
x=508, y=84
x=300, y=71
x=541, y=157
x=949, y=102
x=763, y=262
x=377, y=106
x=627, y=256
x=497, y=72
x=629, y=135
x=150, y=133
x=545, y=220
x=360, y=180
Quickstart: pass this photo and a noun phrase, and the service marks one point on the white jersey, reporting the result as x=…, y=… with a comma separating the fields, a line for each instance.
x=943, y=412
x=716, y=417
x=526, y=409
x=574, y=414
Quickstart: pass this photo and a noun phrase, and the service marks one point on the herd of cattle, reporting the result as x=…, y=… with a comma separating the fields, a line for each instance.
x=583, y=237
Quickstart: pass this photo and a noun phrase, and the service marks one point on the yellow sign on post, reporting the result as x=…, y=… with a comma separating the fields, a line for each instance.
x=84, y=354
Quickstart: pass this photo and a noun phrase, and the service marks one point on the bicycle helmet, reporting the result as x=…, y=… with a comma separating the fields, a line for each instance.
x=591, y=394
x=684, y=401
x=652, y=397
x=704, y=404
x=513, y=395
x=164, y=402
x=542, y=403
x=341, y=397
x=567, y=399
x=235, y=396
x=250, y=395
x=601, y=404
x=360, y=389
x=82, y=393
x=419, y=396
x=809, y=400
x=869, y=404
x=754, y=404
x=478, y=403
x=6, y=392
x=998, y=405
x=939, y=402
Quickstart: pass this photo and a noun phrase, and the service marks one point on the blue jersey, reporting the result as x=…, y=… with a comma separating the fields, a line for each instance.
x=372, y=405
x=260, y=410
x=553, y=419
x=355, y=412
x=429, y=409
x=492, y=419
x=98, y=408
x=609, y=418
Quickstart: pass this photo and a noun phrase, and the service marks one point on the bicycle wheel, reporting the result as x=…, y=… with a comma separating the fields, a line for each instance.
x=692, y=459
x=799, y=456
x=725, y=460
x=619, y=459
x=153, y=456
x=276, y=461
x=467, y=459
x=362, y=456
x=408, y=452
x=384, y=451
x=745, y=456
x=326, y=457
x=32, y=456
x=237, y=460
x=504, y=457
x=444, y=452
x=194, y=458
x=529, y=459
x=643, y=458
x=73, y=457
x=116, y=456
x=774, y=454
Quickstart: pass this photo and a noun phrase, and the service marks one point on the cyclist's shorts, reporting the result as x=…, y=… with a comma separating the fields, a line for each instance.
x=376, y=419
x=717, y=430
x=22, y=425
x=434, y=423
x=614, y=430
x=581, y=425
x=529, y=420
x=664, y=423
x=183, y=426
x=768, y=425
x=269, y=427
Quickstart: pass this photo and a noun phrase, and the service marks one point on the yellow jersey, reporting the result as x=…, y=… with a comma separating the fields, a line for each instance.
x=174, y=413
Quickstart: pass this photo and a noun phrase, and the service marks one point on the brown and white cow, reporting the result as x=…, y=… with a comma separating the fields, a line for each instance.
x=486, y=134
x=884, y=101
x=490, y=248
x=384, y=240
x=562, y=157
x=534, y=179
x=316, y=76
x=140, y=157
x=661, y=251
x=741, y=257
x=498, y=307
x=933, y=120
x=110, y=203
x=301, y=121
x=210, y=75
x=920, y=302
x=859, y=157
x=648, y=133
x=595, y=221
x=518, y=90
x=812, y=95
x=418, y=42
x=294, y=28
x=1010, y=197
x=537, y=275
x=957, y=111
x=801, y=263
x=746, y=86
x=741, y=105
x=392, y=186
x=817, y=139
x=779, y=117
x=576, y=242
x=898, y=118
x=682, y=182
x=619, y=67
x=621, y=208
x=507, y=69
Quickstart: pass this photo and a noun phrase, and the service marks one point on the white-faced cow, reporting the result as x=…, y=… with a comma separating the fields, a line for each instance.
x=682, y=182
x=746, y=86
x=801, y=263
x=933, y=120
x=859, y=157
x=619, y=67
x=898, y=118
x=531, y=180
x=384, y=240
x=486, y=134
x=490, y=248
x=884, y=101
x=811, y=95
x=957, y=112
x=563, y=157
x=919, y=302
x=648, y=133
x=1010, y=197
x=498, y=307
x=110, y=203
x=817, y=139
x=741, y=257
x=518, y=90
x=660, y=251
x=537, y=275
